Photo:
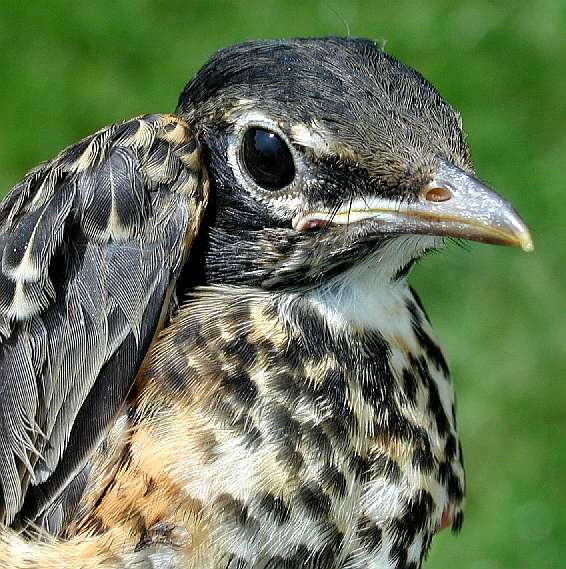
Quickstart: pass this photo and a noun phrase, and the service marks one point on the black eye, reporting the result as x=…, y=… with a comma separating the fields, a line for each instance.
x=267, y=159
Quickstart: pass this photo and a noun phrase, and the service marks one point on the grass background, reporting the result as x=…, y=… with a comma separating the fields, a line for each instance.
x=67, y=68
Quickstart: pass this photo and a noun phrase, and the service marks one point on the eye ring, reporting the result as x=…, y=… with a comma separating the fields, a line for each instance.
x=266, y=157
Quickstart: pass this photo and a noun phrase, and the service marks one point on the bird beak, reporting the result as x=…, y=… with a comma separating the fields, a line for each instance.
x=453, y=204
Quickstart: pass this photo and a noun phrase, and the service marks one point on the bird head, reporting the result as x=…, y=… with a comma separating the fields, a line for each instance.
x=327, y=152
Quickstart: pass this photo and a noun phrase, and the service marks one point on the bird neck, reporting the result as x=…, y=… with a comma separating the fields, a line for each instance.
x=361, y=300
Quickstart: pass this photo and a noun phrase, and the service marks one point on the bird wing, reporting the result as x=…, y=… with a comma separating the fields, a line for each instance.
x=91, y=244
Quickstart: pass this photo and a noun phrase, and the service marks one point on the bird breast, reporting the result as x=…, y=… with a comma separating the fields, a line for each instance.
x=274, y=429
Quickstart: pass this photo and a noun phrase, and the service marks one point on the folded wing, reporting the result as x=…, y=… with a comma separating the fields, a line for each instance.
x=91, y=244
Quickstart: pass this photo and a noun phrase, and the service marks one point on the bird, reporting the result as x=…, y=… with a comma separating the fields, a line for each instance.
x=210, y=353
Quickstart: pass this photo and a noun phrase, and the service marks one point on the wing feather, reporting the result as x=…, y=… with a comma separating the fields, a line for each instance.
x=91, y=244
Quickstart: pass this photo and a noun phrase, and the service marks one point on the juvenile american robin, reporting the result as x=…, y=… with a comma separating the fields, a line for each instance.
x=210, y=356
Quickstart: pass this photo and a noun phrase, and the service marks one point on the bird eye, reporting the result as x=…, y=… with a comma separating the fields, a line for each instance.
x=267, y=158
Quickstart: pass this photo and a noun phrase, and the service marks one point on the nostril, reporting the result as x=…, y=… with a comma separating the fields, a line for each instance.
x=438, y=195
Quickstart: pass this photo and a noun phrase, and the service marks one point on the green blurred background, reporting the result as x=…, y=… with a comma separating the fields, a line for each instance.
x=68, y=68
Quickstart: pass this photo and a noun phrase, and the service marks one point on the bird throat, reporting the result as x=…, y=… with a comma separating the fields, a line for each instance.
x=292, y=430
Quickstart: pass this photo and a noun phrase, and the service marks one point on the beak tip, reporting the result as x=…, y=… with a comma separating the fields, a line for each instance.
x=526, y=243
x=523, y=237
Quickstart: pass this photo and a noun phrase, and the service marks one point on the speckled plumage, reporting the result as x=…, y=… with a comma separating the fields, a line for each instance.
x=296, y=410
